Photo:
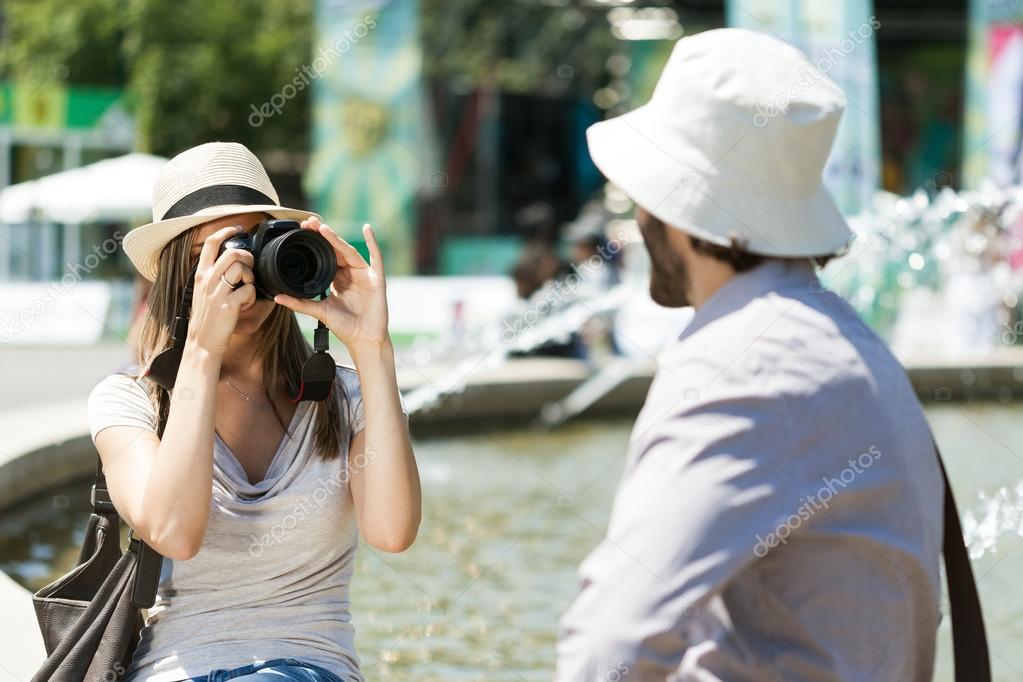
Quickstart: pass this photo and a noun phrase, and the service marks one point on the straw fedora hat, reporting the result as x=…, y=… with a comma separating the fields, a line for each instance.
x=200, y=184
x=732, y=144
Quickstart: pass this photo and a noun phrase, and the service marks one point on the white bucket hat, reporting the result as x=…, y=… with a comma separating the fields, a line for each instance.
x=732, y=144
x=200, y=184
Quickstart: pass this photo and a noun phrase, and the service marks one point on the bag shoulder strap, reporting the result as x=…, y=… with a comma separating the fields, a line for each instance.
x=147, y=578
x=100, y=494
x=969, y=640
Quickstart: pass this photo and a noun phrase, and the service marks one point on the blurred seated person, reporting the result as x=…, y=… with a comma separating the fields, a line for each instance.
x=595, y=260
x=594, y=272
x=535, y=274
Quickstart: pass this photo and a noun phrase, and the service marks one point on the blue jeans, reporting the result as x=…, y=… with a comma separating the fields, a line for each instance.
x=276, y=670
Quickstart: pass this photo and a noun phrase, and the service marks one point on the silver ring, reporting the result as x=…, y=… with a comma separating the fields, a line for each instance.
x=233, y=286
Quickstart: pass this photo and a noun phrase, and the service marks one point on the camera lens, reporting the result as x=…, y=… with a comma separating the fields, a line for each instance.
x=300, y=263
x=297, y=264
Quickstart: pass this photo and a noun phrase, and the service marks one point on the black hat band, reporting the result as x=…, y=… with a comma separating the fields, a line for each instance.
x=216, y=195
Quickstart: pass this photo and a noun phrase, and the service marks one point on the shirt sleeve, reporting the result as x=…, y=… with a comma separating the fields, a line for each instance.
x=355, y=412
x=119, y=400
x=694, y=499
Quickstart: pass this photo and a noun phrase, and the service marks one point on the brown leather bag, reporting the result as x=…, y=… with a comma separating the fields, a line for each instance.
x=91, y=618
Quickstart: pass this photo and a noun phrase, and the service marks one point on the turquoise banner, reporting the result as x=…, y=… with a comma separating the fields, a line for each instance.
x=373, y=150
x=838, y=37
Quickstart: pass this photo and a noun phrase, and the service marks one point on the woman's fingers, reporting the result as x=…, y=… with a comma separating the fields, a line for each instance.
x=222, y=286
x=376, y=259
x=244, y=295
x=345, y=251
x=211, y=247
x=227, y=260
x=239, y=272
x=306, y=306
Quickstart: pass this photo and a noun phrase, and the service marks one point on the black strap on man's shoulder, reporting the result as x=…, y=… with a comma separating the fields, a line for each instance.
x=969, y=640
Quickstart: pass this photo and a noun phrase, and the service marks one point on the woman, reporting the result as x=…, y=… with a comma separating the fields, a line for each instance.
x=254, y=501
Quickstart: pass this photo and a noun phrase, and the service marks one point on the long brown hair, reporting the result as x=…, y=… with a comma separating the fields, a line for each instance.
x=280, y=347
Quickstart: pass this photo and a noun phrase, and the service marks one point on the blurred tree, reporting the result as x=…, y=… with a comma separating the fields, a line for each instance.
x=197, y=70
x=81, y=40
x=199, y=67
x=193, y=68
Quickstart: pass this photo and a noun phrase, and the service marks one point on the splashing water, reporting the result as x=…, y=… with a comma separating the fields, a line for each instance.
x=998, y=515
x=489, y=347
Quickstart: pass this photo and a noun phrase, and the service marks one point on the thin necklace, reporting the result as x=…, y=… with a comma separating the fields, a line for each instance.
x=262, y=406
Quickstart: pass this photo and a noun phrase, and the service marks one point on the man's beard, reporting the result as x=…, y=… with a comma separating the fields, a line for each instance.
x=669, y=278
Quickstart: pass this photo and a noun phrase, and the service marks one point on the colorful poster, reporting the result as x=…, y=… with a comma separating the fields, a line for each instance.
x=994, y=94
x=372, y=146
x=838, y=37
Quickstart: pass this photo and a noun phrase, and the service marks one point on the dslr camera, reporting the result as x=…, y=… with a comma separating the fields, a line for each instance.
x=287, y=259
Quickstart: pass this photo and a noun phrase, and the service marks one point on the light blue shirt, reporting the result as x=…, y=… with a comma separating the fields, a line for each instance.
x=780, y=511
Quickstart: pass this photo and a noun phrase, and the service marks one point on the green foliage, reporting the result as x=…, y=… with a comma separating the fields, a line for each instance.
x=198, y=68
x=194, y=69
x=81, y=40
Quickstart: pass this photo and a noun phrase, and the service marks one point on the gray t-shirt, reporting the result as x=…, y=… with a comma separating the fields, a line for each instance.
x=271, y=579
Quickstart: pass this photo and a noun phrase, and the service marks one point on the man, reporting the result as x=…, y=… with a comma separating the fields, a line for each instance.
x=780, y=512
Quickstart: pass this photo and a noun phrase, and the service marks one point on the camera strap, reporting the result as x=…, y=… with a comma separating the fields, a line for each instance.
x=318, y=371
x=164, y=367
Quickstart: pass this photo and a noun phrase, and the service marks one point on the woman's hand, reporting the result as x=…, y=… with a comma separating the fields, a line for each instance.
x=356, y=309
x=215, y=305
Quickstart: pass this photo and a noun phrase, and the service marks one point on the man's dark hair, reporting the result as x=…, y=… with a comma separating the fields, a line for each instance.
x=739, y=258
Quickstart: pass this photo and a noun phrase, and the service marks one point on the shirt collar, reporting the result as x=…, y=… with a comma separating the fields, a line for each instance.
x=773, y=274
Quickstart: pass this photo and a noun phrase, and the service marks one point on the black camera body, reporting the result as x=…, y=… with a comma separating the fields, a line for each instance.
x=288, y=259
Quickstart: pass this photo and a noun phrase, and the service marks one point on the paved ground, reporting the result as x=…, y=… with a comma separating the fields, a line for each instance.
x=23, y=650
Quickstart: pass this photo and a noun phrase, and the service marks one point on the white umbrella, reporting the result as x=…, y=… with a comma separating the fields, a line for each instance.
x=114, y=190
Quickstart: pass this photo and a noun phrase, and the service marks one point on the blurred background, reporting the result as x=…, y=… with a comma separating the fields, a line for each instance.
x=517, y=279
